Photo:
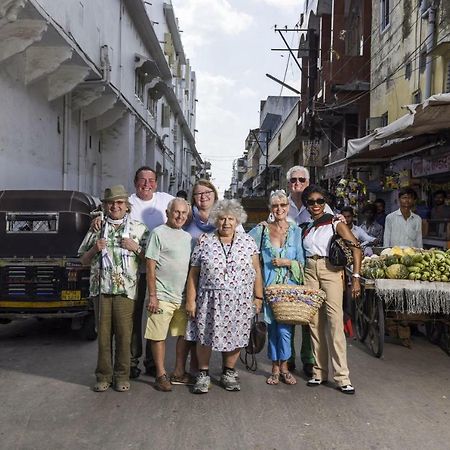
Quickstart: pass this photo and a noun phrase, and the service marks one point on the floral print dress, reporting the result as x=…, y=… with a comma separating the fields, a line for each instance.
x=224, y=292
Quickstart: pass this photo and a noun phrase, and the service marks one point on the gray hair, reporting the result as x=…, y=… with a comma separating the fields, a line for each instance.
x=297, y=169
x=279, y=194
x=175, y=200
x=227, y=208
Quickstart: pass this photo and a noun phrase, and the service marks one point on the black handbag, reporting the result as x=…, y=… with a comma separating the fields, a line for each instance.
x=257, y=336
x=256, y=343
x=340, y=254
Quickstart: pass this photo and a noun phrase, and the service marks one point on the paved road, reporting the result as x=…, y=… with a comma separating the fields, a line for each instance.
x=46, y=402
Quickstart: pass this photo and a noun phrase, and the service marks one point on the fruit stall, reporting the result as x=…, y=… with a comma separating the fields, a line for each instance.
x=401, y=286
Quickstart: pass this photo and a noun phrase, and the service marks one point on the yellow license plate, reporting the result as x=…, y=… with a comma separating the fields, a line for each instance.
x=70, y=295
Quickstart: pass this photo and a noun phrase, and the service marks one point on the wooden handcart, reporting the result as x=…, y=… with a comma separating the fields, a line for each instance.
x=401, y=302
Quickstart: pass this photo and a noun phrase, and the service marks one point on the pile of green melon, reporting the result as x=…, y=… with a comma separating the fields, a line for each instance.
x=408, y=263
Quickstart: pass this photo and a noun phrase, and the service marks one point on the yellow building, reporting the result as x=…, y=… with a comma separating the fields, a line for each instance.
x=410, y=55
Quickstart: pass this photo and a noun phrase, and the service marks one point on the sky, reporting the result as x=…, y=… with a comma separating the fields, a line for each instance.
x=228, y=43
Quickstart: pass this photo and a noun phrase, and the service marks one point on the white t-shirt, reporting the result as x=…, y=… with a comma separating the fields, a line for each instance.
x=150, y=212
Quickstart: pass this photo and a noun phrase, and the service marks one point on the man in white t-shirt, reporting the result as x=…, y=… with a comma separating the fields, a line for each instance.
x=298, y=181
x=148, y=207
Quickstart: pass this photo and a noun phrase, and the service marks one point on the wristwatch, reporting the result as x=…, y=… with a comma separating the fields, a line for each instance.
x=138, y=251
x=356, y=275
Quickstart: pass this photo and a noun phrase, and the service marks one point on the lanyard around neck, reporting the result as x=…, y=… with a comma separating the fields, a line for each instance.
x=226, y=253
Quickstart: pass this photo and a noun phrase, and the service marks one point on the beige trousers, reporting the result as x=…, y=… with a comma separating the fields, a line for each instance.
x=327, y=326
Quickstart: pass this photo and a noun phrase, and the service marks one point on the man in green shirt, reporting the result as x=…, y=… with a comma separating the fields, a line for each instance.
x=168, y=255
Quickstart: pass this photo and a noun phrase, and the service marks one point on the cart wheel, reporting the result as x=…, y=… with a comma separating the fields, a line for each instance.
x=434, y=331
x=361, y=324
x=376, y=324
x=88, y=330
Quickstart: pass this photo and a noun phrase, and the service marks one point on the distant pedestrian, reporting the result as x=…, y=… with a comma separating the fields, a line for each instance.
x=380, y=216
x=182, y=194
x=168, y=254
x=440, y=211
x=114, y=253
x=364, y=239
x=370, y=225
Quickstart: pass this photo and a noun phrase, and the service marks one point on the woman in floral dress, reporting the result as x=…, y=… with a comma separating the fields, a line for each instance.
x=282, y=258
x=223, y=283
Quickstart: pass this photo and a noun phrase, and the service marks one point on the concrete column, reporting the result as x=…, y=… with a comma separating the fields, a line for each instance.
x=118, y=153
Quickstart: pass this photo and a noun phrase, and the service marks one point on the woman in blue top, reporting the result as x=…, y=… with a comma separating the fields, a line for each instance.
x=282, y=259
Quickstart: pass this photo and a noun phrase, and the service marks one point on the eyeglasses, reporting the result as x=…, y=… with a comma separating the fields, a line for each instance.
x=201, y=194
x=319, y=201
x=281, y=205
x=293, y=180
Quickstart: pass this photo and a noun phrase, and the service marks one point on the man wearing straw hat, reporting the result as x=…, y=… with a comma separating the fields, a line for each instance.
x=114, y=253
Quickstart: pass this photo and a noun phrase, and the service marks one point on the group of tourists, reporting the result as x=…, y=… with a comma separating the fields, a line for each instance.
x=201, y=278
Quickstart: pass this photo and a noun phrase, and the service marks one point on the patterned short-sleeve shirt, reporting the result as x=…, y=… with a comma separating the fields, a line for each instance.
x=116, y=280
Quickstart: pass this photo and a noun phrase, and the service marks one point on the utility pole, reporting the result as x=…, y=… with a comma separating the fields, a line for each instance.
x=312, y=77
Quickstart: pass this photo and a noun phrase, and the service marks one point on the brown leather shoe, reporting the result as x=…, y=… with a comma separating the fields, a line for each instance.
x=162, y=383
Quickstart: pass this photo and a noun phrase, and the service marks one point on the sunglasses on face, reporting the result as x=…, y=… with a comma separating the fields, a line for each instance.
x=293, y=180
x=319, y=201
x=281, y=205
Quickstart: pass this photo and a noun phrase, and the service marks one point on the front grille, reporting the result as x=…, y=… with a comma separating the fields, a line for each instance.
x=31, y=282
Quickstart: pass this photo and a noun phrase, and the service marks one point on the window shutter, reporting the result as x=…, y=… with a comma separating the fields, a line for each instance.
x=165, y=116
x=447, y=84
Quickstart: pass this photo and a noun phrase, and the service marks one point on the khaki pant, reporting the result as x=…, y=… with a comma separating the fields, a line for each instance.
x=114, y=318
x=327, y=326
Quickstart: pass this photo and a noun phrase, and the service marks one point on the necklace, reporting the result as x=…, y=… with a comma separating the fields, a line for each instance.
x=227, y=254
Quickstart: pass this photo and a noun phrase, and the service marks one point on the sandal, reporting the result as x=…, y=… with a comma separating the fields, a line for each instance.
x=274, y=379
x=101, y=386
x=122, y=386
x=288, y=378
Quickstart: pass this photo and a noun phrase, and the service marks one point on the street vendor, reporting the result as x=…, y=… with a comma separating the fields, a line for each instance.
x=440, y=211
x=114, y=253
x=403, y=227
x=364, y=238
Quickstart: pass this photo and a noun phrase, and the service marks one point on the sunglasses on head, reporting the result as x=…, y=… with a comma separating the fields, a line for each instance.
x=293, y=180
x=319, y=201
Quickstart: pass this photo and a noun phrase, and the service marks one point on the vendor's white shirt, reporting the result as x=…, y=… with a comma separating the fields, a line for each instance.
x=401, y=232
x=302, y=215
x=317, y=241
x=150, y=212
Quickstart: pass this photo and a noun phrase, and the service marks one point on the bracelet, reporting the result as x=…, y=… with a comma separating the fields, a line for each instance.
x=258, y=298
x=356, y=275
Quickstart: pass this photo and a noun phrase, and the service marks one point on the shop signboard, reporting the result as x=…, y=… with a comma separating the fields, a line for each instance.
x=421, y=167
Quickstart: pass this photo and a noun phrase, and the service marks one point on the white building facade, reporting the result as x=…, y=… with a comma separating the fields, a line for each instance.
x=92, y=90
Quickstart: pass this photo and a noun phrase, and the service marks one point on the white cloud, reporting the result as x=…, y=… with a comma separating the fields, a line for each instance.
x=282, y=3
x=206, y=19
x=248, y=92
